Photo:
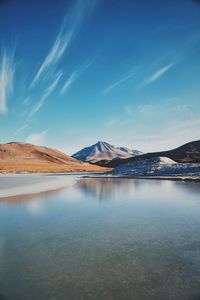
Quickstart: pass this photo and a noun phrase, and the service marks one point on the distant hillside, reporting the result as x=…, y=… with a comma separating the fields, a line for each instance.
x=102, y=151
x=187, y=153
x=22, y=157
x=157, y=166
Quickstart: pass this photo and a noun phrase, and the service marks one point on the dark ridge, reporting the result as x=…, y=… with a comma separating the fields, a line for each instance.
x=187, y=153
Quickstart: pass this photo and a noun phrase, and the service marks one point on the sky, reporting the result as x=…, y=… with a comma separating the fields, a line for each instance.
x=123, y=71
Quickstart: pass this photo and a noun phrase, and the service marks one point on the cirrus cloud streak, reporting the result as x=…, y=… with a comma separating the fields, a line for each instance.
x=7, y=72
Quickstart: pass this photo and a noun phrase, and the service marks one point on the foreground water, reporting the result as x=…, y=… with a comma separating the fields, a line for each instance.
x=102, y=239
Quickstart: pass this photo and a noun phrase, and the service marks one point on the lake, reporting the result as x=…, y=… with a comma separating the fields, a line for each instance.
x=102, y=239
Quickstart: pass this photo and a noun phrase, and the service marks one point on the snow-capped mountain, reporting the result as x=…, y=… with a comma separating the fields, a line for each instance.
x=158, y=166
x=130, y=151
x=102, y=151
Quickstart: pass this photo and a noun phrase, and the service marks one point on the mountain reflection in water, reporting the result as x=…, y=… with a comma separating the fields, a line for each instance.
x=108, y=189
x=102, y=238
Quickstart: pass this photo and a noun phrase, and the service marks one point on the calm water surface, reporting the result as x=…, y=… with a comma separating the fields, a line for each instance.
x=102, y=239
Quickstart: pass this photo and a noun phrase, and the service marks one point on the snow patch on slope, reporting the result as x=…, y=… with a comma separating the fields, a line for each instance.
x=159, y=166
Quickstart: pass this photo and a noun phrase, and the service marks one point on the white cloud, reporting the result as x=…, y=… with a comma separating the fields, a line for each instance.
x=46, y=94
x=111, y=122
x=55, y=54
x=69, y=82
x=128, y=110
x=145, y=108
x=68, y=29
x=19, y=130
x=119, y=82
x=186, y=108
x=184, y=126
x=26, y=100
x=7, y=71
x=168, y=138
x=74, y=76
x=159, y=73
x=37, y=138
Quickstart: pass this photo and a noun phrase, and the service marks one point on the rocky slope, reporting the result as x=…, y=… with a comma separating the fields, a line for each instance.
x=21, y=157
x=102, y=153
x=158, y=166
x=187, y=153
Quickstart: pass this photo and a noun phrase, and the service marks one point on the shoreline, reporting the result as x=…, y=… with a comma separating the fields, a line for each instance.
x=12, y=185
x=172, y=178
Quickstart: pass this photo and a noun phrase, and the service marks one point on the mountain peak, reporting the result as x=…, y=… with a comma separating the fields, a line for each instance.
x=102, y=143
x=103, y=151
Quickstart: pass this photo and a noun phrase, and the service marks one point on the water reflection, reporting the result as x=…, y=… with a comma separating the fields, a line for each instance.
x=30, y=197
x=143, y=243
x=109, y=189
x=105, y=189
x=191, y=187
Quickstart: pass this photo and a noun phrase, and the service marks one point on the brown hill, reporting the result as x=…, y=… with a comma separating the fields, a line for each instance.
x=21, y=157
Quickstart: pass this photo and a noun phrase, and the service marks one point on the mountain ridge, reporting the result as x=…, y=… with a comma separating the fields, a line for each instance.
x=104, y=151
x=186, y=153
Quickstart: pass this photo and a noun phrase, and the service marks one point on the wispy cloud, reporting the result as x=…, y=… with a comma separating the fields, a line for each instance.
x=124, y=79
x=111, y=122
x=19, y=130
x=145, y=108
x=183, y=126
x=7, y=71
x=74, y=76
x=37, y=138
x=69, y=28
x=138, y=74
x=46, y=94
x=170, y=137
x=128, y=110
x=69, y=82
x=26, y=100
x=55, y=54
x=159, y=73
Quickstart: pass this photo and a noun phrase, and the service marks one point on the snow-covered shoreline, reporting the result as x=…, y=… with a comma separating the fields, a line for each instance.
x=173, y=178
x=24, y=184
x=121, y=176
x=159, y=167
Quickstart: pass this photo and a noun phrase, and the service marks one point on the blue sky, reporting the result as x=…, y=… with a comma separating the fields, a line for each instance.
x=123, y=71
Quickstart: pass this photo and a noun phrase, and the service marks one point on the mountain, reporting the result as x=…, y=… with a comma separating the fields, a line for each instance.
x=157, y=166
x=187, y=153
x=102, y=153
x=23, y=157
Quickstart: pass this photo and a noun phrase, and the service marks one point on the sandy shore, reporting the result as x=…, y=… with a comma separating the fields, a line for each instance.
x=24, y=184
